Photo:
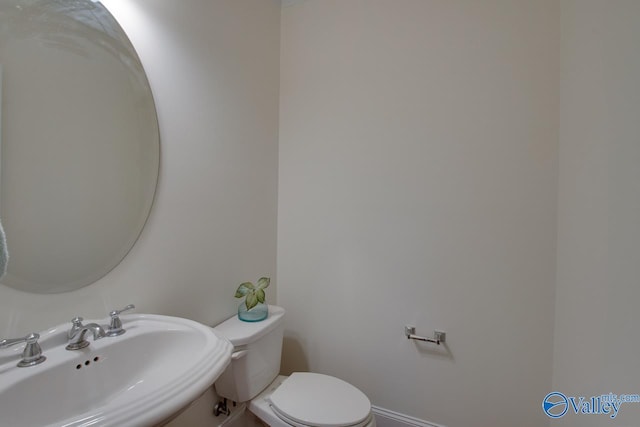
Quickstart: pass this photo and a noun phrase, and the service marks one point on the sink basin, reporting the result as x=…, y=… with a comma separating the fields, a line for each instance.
x=141, y=378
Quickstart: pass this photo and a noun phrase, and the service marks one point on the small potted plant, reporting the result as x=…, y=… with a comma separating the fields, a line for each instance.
x=253, y=308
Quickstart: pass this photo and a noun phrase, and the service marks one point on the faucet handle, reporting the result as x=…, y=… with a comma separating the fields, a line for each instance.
x=77, y=321
x=115, y=327
x=32, y=354
x=117, y=312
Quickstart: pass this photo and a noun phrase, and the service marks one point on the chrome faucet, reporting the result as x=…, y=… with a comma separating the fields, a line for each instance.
x=77, y=332
x=32, y=354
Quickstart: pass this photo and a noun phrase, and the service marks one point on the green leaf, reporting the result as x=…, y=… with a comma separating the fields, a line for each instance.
x=244, y=289
x=260, y=295
x=263, y=283
x=251, y=301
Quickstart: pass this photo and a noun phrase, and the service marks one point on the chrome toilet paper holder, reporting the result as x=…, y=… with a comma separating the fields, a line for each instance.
x=439, y=337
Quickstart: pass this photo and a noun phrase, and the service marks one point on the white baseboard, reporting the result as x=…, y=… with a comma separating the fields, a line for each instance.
x=387, y=418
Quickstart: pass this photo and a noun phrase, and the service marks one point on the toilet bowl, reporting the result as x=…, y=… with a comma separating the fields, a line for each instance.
x=302, y=399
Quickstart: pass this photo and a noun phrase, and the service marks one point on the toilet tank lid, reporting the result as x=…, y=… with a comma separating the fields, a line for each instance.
x=242, y=333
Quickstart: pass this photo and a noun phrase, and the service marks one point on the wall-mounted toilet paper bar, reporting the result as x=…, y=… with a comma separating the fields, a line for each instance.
x=439, y=337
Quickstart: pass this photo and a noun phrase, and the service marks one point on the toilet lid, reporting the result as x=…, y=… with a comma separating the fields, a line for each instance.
x=320, y=401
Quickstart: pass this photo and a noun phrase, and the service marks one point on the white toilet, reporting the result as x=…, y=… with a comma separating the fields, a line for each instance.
x=302, y=399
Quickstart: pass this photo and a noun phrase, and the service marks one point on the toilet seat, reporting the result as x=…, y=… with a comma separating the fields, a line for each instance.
x=308, y=399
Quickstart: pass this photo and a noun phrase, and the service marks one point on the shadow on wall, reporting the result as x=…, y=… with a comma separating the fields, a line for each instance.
x=442, y=351
x=293, y=357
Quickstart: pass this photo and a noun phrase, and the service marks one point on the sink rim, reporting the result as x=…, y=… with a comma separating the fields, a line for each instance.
x=174, y=393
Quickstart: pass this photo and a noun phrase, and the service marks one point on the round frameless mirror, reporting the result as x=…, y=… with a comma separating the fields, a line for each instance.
x=79, y=143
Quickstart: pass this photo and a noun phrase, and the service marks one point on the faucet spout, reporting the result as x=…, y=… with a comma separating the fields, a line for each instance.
x=78, y=331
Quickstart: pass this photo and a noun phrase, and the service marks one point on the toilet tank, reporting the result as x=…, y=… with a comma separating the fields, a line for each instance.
x=255, y=361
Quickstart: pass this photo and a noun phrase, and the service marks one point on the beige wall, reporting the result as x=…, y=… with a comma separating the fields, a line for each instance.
x=417, y=185
x=213, y=68
x=596, y=334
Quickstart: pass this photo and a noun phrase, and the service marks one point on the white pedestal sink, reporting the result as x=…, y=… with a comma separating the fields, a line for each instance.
x=159, y=366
